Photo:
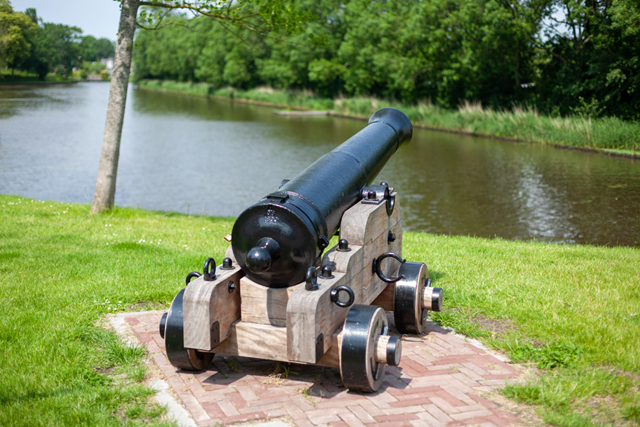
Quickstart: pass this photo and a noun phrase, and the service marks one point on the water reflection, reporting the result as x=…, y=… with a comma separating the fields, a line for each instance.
x=541, y=209
x=202, y=156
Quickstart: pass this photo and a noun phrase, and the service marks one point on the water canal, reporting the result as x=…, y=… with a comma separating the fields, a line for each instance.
x=209, y=157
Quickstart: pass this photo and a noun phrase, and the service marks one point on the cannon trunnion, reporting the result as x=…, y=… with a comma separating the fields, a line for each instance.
x=281, y=295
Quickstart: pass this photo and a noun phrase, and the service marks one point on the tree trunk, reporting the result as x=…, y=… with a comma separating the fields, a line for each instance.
x=108, y=170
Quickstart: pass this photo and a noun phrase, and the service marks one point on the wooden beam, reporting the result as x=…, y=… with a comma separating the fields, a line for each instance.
x=264, y=305
x=311, y=314
x=206, y=303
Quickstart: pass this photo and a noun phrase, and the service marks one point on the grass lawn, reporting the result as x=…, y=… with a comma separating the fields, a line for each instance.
x=574, y=311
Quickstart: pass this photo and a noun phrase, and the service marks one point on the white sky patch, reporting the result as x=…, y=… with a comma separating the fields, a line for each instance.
x=98, y=18
x=551, y=26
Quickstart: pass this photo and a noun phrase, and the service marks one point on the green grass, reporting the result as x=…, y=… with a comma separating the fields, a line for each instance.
x=608, y=133
x=282, y=99
x=61, y=273
x=621, y=151
x=572, y=311
x=26, y=77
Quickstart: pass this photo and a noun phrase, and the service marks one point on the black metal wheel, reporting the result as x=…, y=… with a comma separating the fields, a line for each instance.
x=408, y=313
x=358, y=366
x=171, y=328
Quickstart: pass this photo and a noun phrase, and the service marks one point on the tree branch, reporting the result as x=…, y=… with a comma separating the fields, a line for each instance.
x=535, y=43
x=200, y=10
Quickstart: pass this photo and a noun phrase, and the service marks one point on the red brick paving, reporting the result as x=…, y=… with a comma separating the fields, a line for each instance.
x=437, y=384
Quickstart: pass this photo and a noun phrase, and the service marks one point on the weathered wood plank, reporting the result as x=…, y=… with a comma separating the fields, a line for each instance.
x=255, y=340
x=385, y=299
x=264, y=305
x=311, y=313
x=205, y=303
x=269, y=342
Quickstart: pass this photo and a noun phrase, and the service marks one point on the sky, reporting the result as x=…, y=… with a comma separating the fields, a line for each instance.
x=98, y=18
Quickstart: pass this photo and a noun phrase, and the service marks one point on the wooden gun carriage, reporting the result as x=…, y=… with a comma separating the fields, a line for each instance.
x=279, y=296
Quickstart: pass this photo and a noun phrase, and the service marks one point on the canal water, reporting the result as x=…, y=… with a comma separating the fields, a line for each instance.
x=202, y=156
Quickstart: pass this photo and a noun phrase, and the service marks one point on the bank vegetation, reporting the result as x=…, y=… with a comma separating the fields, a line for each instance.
x=607, y=134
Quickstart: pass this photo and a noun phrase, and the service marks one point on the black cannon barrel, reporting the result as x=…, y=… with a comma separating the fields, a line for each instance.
x=276, y=240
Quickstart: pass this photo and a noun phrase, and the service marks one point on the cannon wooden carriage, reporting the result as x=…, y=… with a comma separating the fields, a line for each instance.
x=281, y=295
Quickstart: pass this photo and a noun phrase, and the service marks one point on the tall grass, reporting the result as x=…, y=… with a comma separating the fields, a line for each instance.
x=522, y=123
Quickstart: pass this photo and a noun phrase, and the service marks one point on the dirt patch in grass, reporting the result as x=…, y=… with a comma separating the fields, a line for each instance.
x=630, y=375
x=526, y=413
x=496, y=327
x=605, y=411
x=147, y=306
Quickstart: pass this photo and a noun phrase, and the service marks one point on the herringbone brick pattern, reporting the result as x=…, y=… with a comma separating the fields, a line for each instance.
x=439, y=383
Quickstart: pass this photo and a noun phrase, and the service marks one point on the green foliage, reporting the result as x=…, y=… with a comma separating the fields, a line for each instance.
x=57, y=47
x=445, y=51
x=81, y=74
x=595, y=58
x=15, y=32
x=93, y=67
x=632, y=413
x=92, y=49
x=29, y=44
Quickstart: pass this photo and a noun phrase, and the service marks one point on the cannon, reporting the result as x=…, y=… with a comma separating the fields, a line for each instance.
x=281, y=294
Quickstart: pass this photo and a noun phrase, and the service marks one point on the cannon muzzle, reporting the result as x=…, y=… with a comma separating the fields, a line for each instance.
x=277, y=239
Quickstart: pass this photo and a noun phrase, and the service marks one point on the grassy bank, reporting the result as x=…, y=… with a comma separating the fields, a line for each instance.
x=574, y=311
x=25, y=77
x=525, y=124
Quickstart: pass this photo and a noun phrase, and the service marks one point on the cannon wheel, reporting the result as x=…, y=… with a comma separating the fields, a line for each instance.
x=358, y=368
x=180, y=357
x=408, y=313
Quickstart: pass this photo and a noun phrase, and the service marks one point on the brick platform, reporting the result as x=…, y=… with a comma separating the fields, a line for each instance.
x=440, y=382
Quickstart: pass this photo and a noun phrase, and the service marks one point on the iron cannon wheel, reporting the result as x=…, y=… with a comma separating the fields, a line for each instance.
x=180, y=357
x=408, y=313
x=358, y=367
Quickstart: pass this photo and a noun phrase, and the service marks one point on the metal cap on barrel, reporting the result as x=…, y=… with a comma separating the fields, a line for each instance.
x=398, y=121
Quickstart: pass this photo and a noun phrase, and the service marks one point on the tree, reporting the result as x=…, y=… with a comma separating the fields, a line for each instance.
x=55, y=47
x=92, y=49
x=263, y=16
x=15, y=29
